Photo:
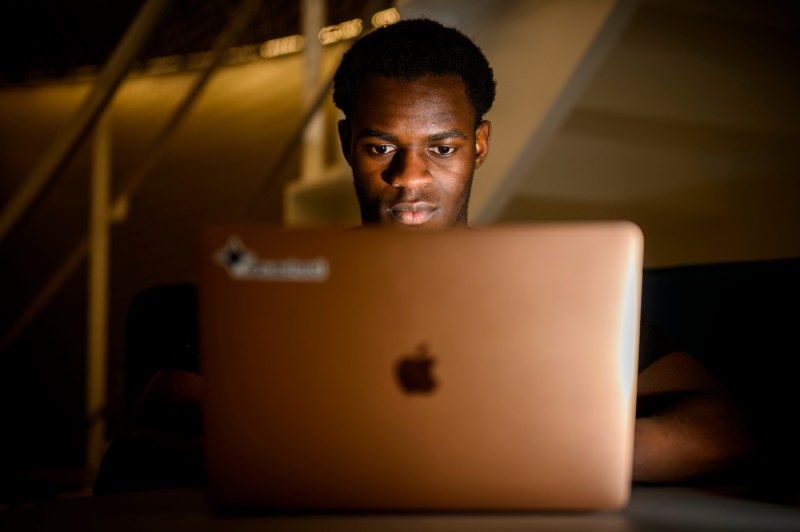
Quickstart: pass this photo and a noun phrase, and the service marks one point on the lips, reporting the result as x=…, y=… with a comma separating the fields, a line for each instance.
x=412, y=213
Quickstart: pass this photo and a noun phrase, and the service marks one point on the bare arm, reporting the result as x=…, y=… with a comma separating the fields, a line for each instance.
x=687, y=424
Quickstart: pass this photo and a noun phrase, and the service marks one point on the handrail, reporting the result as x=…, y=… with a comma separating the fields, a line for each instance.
x=132, y=183
x=135, y=178
x=65, y=145
x=226, y=38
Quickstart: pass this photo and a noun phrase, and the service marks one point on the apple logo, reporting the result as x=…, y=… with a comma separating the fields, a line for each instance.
x=414, y=371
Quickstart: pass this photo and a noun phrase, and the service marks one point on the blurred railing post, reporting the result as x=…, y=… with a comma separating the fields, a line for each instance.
x=97, y=308
x=313, y=149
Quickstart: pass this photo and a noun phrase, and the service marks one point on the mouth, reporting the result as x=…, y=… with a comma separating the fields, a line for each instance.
x=412, y=213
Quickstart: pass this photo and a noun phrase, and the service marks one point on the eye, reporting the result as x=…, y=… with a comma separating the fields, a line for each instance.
x=443, y=150
x=380, y=149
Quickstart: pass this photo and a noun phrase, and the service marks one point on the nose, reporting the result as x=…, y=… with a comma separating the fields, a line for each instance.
x=409, y=170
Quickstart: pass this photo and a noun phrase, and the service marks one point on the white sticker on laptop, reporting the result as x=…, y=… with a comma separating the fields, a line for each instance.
x=244, y=264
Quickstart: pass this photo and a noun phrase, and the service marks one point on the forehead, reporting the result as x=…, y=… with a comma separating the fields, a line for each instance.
x=432, y=99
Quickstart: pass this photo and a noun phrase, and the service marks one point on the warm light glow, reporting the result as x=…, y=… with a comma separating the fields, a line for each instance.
x=341, y=32
x=283, y=46
x=349, y=29
x=385, y=17
x=291, y=44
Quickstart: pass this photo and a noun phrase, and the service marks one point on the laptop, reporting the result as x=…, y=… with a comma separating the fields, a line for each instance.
x=374, y=369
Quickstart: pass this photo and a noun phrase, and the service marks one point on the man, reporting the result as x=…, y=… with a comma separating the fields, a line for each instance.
x=414, y=95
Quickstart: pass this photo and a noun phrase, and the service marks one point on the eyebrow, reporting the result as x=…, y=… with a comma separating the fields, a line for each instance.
x=388, y=137
x=375, y=134
x=448, y=134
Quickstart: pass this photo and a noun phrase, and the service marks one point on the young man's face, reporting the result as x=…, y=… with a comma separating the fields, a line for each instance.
x=413, y=149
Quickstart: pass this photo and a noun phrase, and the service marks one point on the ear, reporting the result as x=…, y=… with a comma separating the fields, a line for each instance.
x=345, y=137
x=482, y=133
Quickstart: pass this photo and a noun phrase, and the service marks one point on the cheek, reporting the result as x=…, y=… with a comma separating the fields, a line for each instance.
x=368, y=173
x=456, y=177
x=368, y=176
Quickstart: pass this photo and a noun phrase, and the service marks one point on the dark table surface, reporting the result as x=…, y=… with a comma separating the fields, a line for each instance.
x=651, y=509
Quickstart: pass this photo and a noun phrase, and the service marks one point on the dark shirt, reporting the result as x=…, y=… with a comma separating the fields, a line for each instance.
x=653, y=344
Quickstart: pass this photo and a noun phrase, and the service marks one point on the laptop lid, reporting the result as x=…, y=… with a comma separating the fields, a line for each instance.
x=378, y=369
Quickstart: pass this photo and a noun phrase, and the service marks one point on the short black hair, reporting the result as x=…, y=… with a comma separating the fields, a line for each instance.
x=412, y=49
